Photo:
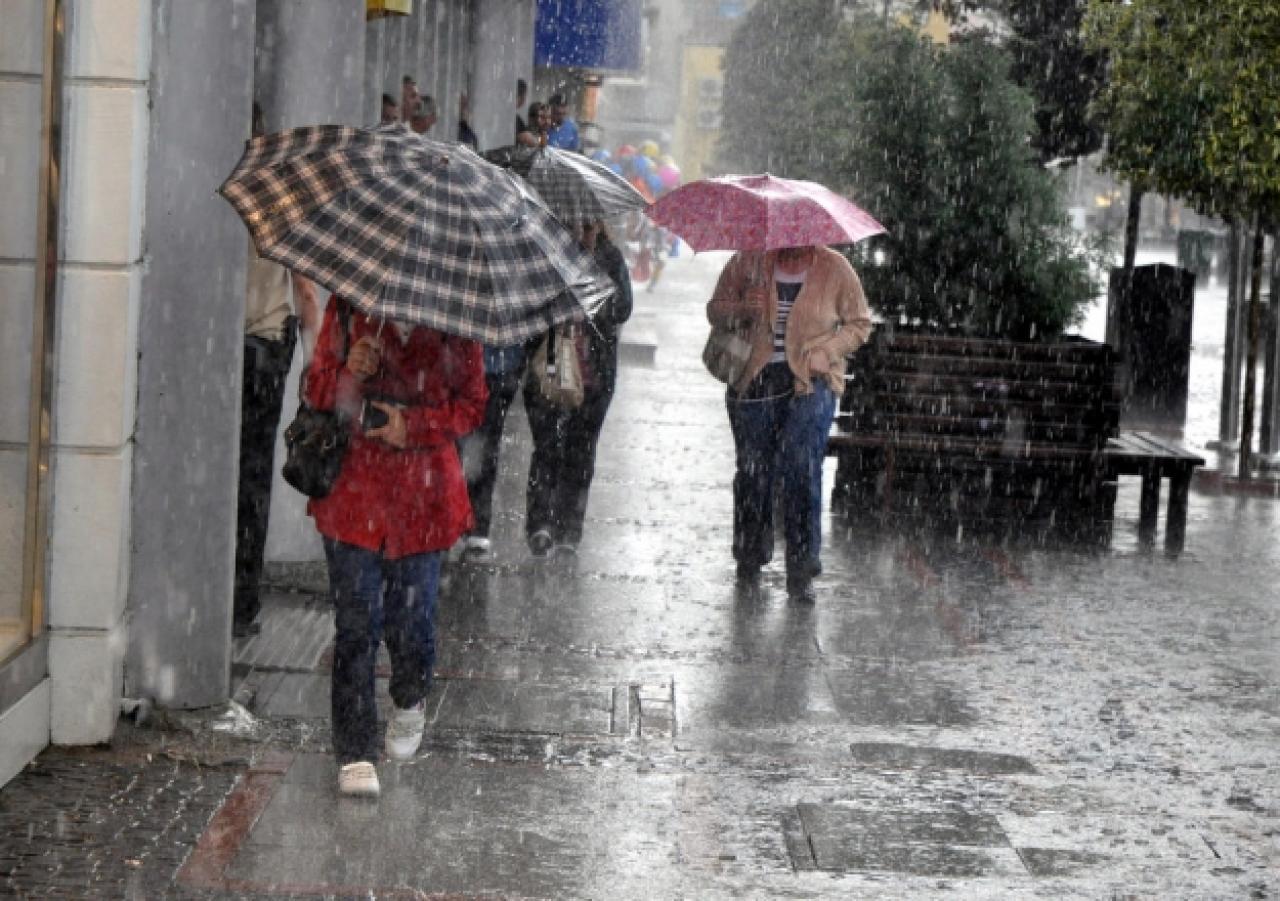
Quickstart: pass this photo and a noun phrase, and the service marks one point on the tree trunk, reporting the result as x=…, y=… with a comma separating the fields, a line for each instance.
x=1251, y=357
x=1132, y=218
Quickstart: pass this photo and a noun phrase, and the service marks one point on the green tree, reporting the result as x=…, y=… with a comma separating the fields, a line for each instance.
x=770, y=64
x=1191, y=109
x=1051, y=61
x=934, y=141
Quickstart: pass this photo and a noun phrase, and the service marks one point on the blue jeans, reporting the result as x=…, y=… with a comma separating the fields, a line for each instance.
x=780, y=439
x=372, y=594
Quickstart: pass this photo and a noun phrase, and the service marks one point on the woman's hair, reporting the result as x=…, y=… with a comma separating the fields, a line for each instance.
x=535, y=109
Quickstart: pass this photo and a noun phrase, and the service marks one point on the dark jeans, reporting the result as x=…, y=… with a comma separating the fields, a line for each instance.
x=372, y=596
x=266, y=365
x=502, y=391
x=564, y=462
x=780, y=439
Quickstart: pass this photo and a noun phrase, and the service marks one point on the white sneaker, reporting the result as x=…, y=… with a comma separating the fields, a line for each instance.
x=476, y=547
x=359, y=780
x=404, y=731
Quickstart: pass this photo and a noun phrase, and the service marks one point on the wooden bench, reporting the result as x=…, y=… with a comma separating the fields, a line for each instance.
x=983, y=435
x=1155, y=458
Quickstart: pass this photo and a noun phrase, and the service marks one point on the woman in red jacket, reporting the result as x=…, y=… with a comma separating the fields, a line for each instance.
x=399, y=501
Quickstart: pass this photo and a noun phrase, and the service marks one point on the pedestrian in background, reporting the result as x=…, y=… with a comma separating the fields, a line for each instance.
x=535, y=133
x=503, y=371
x=409, y=97
x=522, y=95
x=399, y=501
x=390, y=110
x=806, y=313
x=424, y=115
x=466, y=134
x=565, y=440
x=564, y=131
x=276, y=301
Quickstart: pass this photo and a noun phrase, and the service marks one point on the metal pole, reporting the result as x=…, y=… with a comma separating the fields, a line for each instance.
x=43, y=332
x=1269, y=440
x=1251, y=355
x=1229, y=405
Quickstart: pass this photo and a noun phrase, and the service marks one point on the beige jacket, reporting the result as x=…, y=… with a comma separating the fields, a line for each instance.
x=829, y=320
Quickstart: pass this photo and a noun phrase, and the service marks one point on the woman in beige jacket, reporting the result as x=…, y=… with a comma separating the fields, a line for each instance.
x=806, y=313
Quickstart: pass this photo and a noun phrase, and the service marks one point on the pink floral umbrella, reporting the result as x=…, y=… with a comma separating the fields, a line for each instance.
x=760, y=212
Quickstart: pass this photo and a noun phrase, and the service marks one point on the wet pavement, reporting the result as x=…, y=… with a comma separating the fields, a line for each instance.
x=952, y=719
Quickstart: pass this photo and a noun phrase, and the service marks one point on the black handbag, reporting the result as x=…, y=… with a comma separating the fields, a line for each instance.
x=316, y=441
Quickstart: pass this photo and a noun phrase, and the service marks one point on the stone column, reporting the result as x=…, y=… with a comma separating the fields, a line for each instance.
x=190, y=344
x=501, y=52
x=309, y=69
x=309, y=63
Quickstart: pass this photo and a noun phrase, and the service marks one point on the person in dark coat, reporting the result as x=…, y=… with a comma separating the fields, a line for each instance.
x=503, y=372
x=565, y=440
x=400, y=501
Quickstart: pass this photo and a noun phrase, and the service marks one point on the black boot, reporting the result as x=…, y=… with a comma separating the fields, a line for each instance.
x=800, y=587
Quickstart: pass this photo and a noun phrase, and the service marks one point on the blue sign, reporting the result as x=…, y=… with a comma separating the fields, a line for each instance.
x=588, y=34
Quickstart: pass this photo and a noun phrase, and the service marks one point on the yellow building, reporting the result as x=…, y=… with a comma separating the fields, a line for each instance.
x=698, y=117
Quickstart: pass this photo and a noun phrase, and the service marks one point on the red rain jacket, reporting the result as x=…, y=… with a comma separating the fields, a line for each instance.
x=399, y=502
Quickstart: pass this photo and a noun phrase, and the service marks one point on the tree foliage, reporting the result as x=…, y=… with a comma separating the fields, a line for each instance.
x=934, y=142
x=1051, y=60
x=1193, y=98
x=770, y=63
x=1192, y=108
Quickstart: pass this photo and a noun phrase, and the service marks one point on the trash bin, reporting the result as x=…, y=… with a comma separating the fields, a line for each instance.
x=1195, y=251
x=1151, y=329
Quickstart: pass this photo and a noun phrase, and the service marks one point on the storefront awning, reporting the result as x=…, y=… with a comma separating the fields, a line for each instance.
x=602, y=35
x=376, y=9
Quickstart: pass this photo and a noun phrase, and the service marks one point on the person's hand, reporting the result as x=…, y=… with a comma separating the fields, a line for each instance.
x=396, y=431
x=364, y=358
x=819, y=362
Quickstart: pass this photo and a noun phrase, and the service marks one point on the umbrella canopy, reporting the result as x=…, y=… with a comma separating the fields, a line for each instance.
x=574, y=188
x=415, y=230
x=760, y=212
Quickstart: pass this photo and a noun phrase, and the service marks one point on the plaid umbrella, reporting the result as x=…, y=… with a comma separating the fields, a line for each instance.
x=415, y=230
x=574, y=187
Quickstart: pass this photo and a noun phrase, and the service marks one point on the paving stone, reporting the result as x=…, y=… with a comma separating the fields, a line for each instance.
x=837, y=824
x=80, y=824
x=522, y=831
x=890, y=693
x=1054, y=862
x=902, y=756
x=927, y=842
x=295, y=695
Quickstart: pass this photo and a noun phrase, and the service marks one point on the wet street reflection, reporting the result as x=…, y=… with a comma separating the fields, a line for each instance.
x=950, y=718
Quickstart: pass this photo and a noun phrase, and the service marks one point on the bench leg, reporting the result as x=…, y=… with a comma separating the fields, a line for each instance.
x=1149, y=509
x=1175, y=529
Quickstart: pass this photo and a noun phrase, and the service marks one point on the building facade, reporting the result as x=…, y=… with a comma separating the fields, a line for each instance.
x=121, y=296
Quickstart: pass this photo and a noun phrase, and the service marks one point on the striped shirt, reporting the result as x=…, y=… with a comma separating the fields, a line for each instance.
x=788, y=289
